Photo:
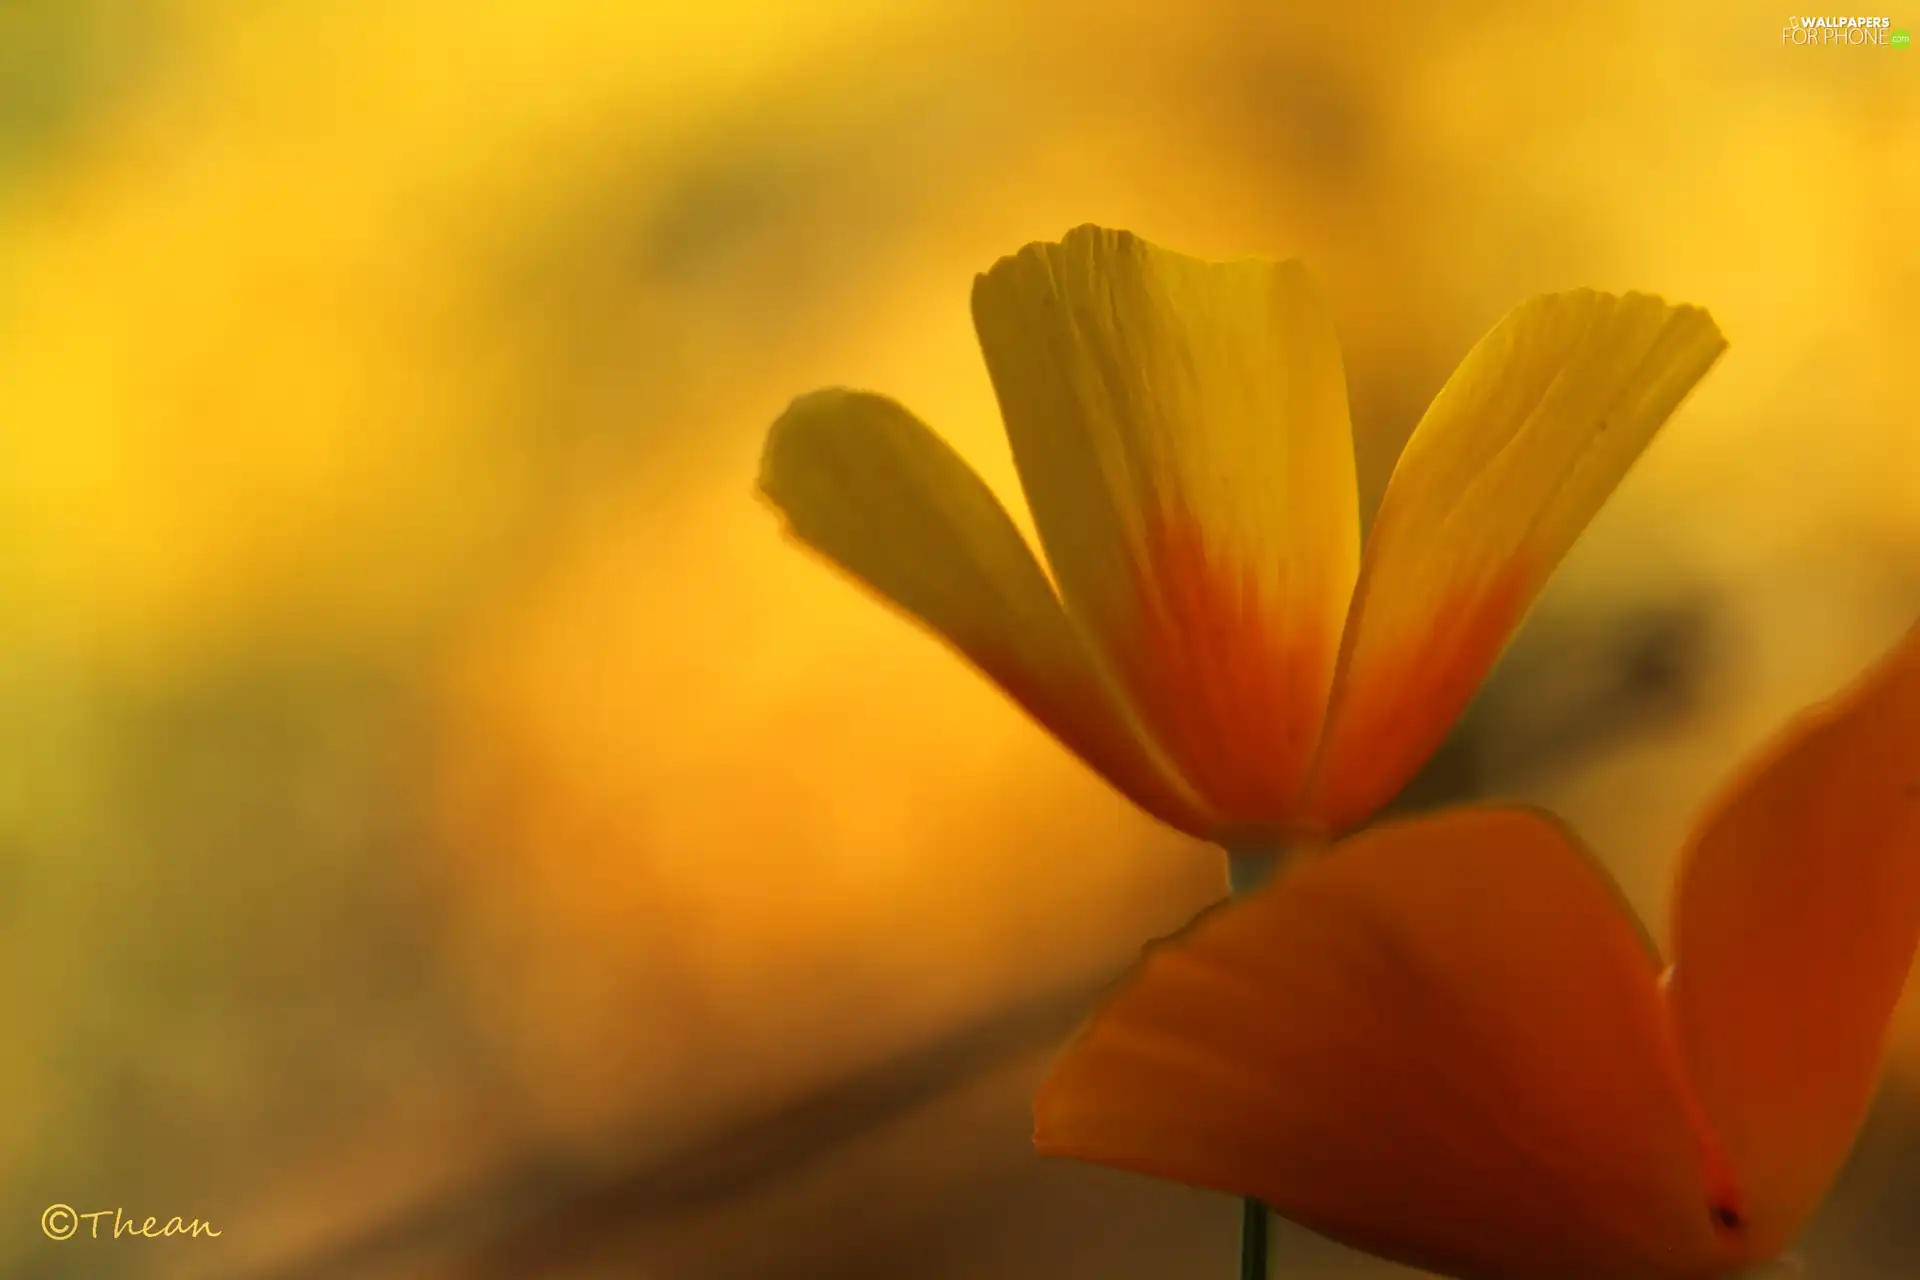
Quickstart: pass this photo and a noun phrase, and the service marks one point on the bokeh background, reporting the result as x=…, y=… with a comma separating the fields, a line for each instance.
x=445, y=831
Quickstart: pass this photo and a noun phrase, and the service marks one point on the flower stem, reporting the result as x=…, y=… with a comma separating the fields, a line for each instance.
x=1247, y=870
x=1253, y=1240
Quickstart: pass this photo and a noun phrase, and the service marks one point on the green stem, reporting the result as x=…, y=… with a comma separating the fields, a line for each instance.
x=1253, y=1240
x=1247, y=870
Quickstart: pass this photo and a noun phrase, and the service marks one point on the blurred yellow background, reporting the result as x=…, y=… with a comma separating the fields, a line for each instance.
x=432, y=794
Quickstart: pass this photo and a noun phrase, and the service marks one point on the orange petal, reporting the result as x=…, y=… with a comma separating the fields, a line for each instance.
x=867, y=485
x=1181, y=431
x=1516, y=454
x=1442, y=1042
x=1796, y=917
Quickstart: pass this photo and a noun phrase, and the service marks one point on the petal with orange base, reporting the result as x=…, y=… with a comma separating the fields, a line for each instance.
x=1443, y=1042
x=1509, y=464
x=1796, y=918
x=1181, y=431
x=868, y=486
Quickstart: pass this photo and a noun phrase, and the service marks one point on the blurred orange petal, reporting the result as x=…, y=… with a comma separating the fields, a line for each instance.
x=1796, y=918
x=1182, y=434
x=1443, y=1042
x=1512, y=460
x=871, y=488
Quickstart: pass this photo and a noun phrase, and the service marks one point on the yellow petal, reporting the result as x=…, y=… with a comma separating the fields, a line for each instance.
x=1181, y=431
x=1511, y=461
x=867, y=485
x=1796, y=917
x=1442, y=1042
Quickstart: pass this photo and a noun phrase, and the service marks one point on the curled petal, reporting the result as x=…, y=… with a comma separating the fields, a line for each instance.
x=1796, y=918
x=1443, y=1042
x=1515, y=455
x=868, y=486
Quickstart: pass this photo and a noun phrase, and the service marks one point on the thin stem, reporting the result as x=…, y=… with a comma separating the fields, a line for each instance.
x=1253, y=1240
x=1247, y=870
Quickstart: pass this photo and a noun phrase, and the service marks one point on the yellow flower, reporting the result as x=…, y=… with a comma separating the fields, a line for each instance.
x=1219, y=648
x=1449, y=1043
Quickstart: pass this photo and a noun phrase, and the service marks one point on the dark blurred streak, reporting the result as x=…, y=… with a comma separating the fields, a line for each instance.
x=633, y=292
x=61, y=61
x=750, y=191
x=625, y=305
x=1869, y=1221
x=1300, y=115
x=551, y=1215
x=239, y=847
x=1572, y=686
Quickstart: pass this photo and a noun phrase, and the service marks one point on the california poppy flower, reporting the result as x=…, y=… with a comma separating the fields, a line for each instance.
x=1213, y=639
x=1448, y=1042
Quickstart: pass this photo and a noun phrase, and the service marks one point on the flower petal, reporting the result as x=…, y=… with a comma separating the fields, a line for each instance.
x=1181, y=431
x=867, y=485
x=1514, y=457
x=1796, y=917
x=1443, y=1042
